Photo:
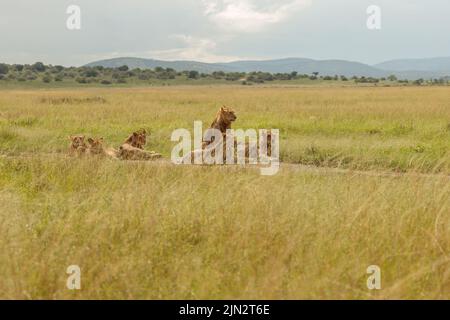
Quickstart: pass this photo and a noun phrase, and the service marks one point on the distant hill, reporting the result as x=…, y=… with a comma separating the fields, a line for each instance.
x=404, y=69
x=431, y=65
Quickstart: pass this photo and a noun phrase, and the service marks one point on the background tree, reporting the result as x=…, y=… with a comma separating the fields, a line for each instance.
x=4, y=68
x=38, y=67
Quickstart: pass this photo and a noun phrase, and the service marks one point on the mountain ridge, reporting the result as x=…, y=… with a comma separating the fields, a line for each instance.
x=402, y=68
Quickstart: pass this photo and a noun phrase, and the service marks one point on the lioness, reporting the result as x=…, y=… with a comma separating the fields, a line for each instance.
x=128, y=152
x=224, y=118
x=77, y=145
x=138, y=139
x=96, y=148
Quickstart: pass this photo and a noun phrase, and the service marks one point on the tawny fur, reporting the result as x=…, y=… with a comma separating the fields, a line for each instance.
x=78, y=145
x=137, y=139
x=224, y=118
x=222, y=122
x=95, y=148
x=128, y=152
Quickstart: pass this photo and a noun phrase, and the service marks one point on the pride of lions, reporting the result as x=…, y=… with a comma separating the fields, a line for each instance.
x=133, y=147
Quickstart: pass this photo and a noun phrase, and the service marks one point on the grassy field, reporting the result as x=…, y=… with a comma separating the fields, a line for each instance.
x=365, y=182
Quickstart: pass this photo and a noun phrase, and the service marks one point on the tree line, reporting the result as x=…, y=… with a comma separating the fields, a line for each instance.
x=107, y=76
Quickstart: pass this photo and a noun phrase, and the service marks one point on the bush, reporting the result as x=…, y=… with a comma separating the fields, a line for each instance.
x=123, y=68
x=18, y=67
x=47, y=79
x=81, y=80
x=91, y=73
x=106, y=82
x=4, y=68
x=193, y=74
x=38, y=67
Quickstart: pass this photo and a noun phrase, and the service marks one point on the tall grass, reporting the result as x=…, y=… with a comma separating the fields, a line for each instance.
x=154, y=230
x=161, y=231
x=399, y=129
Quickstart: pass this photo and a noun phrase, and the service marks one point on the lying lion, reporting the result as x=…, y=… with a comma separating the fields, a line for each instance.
x=133, y=148
x=96, y=148
x=128, y=152
x=77, y=146
x=137, y=139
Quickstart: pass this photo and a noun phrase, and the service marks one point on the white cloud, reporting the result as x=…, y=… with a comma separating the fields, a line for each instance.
x=192, y=48
x=250, y=15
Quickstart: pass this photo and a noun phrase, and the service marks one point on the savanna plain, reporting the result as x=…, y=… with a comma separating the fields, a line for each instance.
x=364, y=180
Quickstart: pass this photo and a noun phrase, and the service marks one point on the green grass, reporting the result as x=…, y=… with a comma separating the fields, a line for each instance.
x=154, y=231
x=399, y=129
x=158, y=231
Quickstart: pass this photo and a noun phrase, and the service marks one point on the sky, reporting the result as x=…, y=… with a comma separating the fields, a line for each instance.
x=222, y=30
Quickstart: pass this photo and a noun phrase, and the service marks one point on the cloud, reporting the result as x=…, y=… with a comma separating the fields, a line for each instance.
x=192, y=48
x=250, y=15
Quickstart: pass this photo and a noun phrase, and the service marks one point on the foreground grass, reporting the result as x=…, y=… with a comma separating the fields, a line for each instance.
x=153, y=230
x=399, y=129
x=159, y=231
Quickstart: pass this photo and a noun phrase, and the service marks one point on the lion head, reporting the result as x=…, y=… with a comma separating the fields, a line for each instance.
x=223, y=119
x=96, y=146
x=138, y=139
x=77, y=142
x=227, y=114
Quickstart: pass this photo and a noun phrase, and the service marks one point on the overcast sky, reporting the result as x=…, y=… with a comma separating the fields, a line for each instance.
x=222, y=30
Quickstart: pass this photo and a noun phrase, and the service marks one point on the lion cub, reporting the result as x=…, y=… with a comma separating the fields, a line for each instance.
x=77, y=145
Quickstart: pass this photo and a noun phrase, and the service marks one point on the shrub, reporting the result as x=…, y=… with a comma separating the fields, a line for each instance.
x=106, y=82
x=4, y=68
x=38, y=67
x=193, y=74
x=47, y=79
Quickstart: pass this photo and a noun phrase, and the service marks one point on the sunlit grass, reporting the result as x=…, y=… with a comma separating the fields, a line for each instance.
x=157, y=231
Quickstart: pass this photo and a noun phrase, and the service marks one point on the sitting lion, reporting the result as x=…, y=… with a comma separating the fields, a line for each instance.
x=224, y=118
x=77, y=145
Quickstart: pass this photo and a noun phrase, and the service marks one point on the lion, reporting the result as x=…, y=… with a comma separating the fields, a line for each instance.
x=137, y=139
x=78, y=145
x=224, y=118
x=129, y=152
x=95, y=148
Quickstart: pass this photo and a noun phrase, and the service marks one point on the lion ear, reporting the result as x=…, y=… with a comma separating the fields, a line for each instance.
x=222, y=108
x=91, y=141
